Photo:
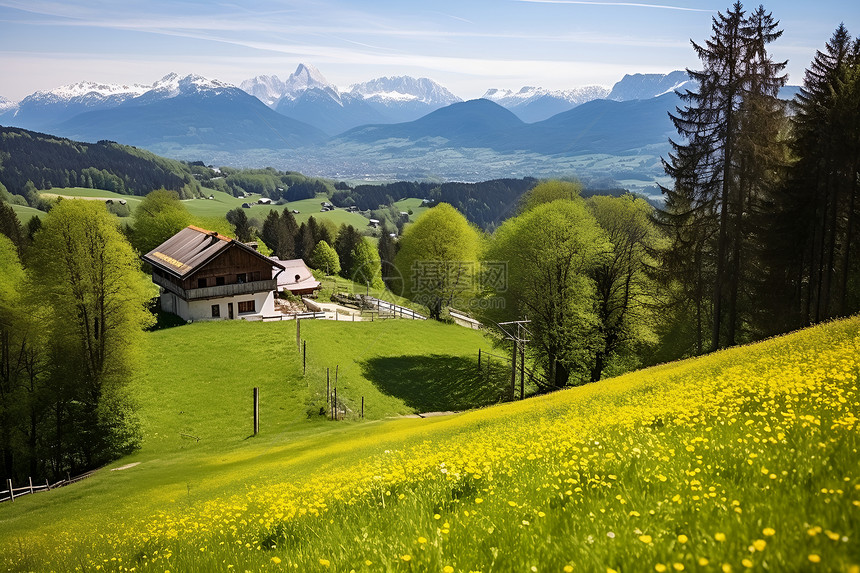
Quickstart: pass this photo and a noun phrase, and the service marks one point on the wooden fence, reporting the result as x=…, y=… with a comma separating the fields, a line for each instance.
x=394, y=310
x=12, y=493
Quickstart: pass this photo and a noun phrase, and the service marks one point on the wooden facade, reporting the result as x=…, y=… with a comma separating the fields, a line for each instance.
x=234, y=266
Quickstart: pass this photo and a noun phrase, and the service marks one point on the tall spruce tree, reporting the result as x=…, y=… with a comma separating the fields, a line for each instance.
x=714, y=165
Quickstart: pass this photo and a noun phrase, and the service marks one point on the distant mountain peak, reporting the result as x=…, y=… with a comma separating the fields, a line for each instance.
x=6, y=105
x=267, y=89
x=645, y=86
x=575, y=96
x=86, y=89
x=305, y=78
x=532, y=103
x=173, y=84
x=404, y=89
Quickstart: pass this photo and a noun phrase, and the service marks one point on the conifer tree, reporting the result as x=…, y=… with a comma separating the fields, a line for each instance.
x=820, y=206
x=726, y=128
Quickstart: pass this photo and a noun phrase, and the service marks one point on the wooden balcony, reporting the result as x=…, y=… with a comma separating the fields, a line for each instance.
x=216, y=291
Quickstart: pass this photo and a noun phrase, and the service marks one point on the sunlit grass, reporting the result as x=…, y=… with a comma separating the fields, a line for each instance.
x=743, y=459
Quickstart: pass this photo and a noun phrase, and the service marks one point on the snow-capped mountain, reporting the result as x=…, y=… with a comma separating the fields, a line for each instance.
x=191, y=111
x=173, y=85
x=267, y=89
x=7, y=105
x=403, y=98
x=44, y=108
x=404, y=89
x=308, y=96
x=306, y=78
x=645, y=86
x=536, y=104
x=92, y=91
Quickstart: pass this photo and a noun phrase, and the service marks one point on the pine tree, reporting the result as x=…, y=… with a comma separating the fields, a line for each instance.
x=719, y=165
x=820, y=202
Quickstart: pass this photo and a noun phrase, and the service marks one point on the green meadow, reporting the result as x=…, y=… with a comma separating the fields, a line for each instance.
x=743, y=459
x=219, y=205
x=25, y=213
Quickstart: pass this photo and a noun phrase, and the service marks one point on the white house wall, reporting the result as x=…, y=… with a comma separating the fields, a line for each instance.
x=264, y=305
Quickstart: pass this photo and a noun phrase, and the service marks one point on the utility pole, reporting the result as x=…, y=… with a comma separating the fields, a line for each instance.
x=517, y=332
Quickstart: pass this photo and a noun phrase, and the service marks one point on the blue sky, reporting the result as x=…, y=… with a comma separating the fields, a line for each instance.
x=468, y=46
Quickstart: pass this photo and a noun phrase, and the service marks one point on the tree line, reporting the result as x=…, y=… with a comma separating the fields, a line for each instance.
x=46, y=161
x=486, y=203
x=73, y=303
x=762, y=216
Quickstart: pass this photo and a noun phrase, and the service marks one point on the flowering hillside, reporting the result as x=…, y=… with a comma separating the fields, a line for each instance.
x=744, y=459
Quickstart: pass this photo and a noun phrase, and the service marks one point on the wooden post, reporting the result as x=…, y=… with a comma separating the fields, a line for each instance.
x=336, y=416
x=328, y=391
x=31, y=484
x=362, y=407
x=304, y=356
x=47, y=485
x=256, y=411
x=336, y=370
x=514, y=371
x=298, y=331
x=11, y=494
x=479, y=360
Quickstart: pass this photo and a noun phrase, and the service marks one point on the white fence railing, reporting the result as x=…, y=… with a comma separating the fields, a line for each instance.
x=12, y=493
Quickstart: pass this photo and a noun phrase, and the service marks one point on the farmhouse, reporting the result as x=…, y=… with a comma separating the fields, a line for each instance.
x=206, y=276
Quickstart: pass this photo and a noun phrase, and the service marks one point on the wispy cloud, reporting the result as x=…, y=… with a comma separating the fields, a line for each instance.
x=625, y=4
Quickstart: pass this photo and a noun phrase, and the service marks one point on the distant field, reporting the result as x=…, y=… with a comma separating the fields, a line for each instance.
x=24, y=213
x=223, y=202
x=415, y=204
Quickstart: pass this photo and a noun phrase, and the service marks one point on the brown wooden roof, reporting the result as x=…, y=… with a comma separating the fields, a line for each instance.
x=191, y=248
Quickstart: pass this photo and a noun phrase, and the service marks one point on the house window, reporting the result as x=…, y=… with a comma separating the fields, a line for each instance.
x=246, y=306
x=201, y=283
x=241, y=278
x=216, y=311
x=219, y=281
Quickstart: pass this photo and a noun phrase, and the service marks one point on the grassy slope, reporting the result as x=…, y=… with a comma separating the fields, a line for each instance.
x=745, y=458
x=198, y=381
x=24, y=213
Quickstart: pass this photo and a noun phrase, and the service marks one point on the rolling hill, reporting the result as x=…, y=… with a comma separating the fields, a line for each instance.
x=597, y=126
x=474, y=123
x=742, y=459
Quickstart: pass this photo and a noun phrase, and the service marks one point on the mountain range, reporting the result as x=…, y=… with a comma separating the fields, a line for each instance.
x=307, y=96
x=374, y=129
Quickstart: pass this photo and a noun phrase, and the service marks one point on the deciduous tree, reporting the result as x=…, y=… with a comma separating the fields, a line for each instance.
x=325, y=259
x=87, y=274
x=550, y=253
x=159, y=216
x=438, y=257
